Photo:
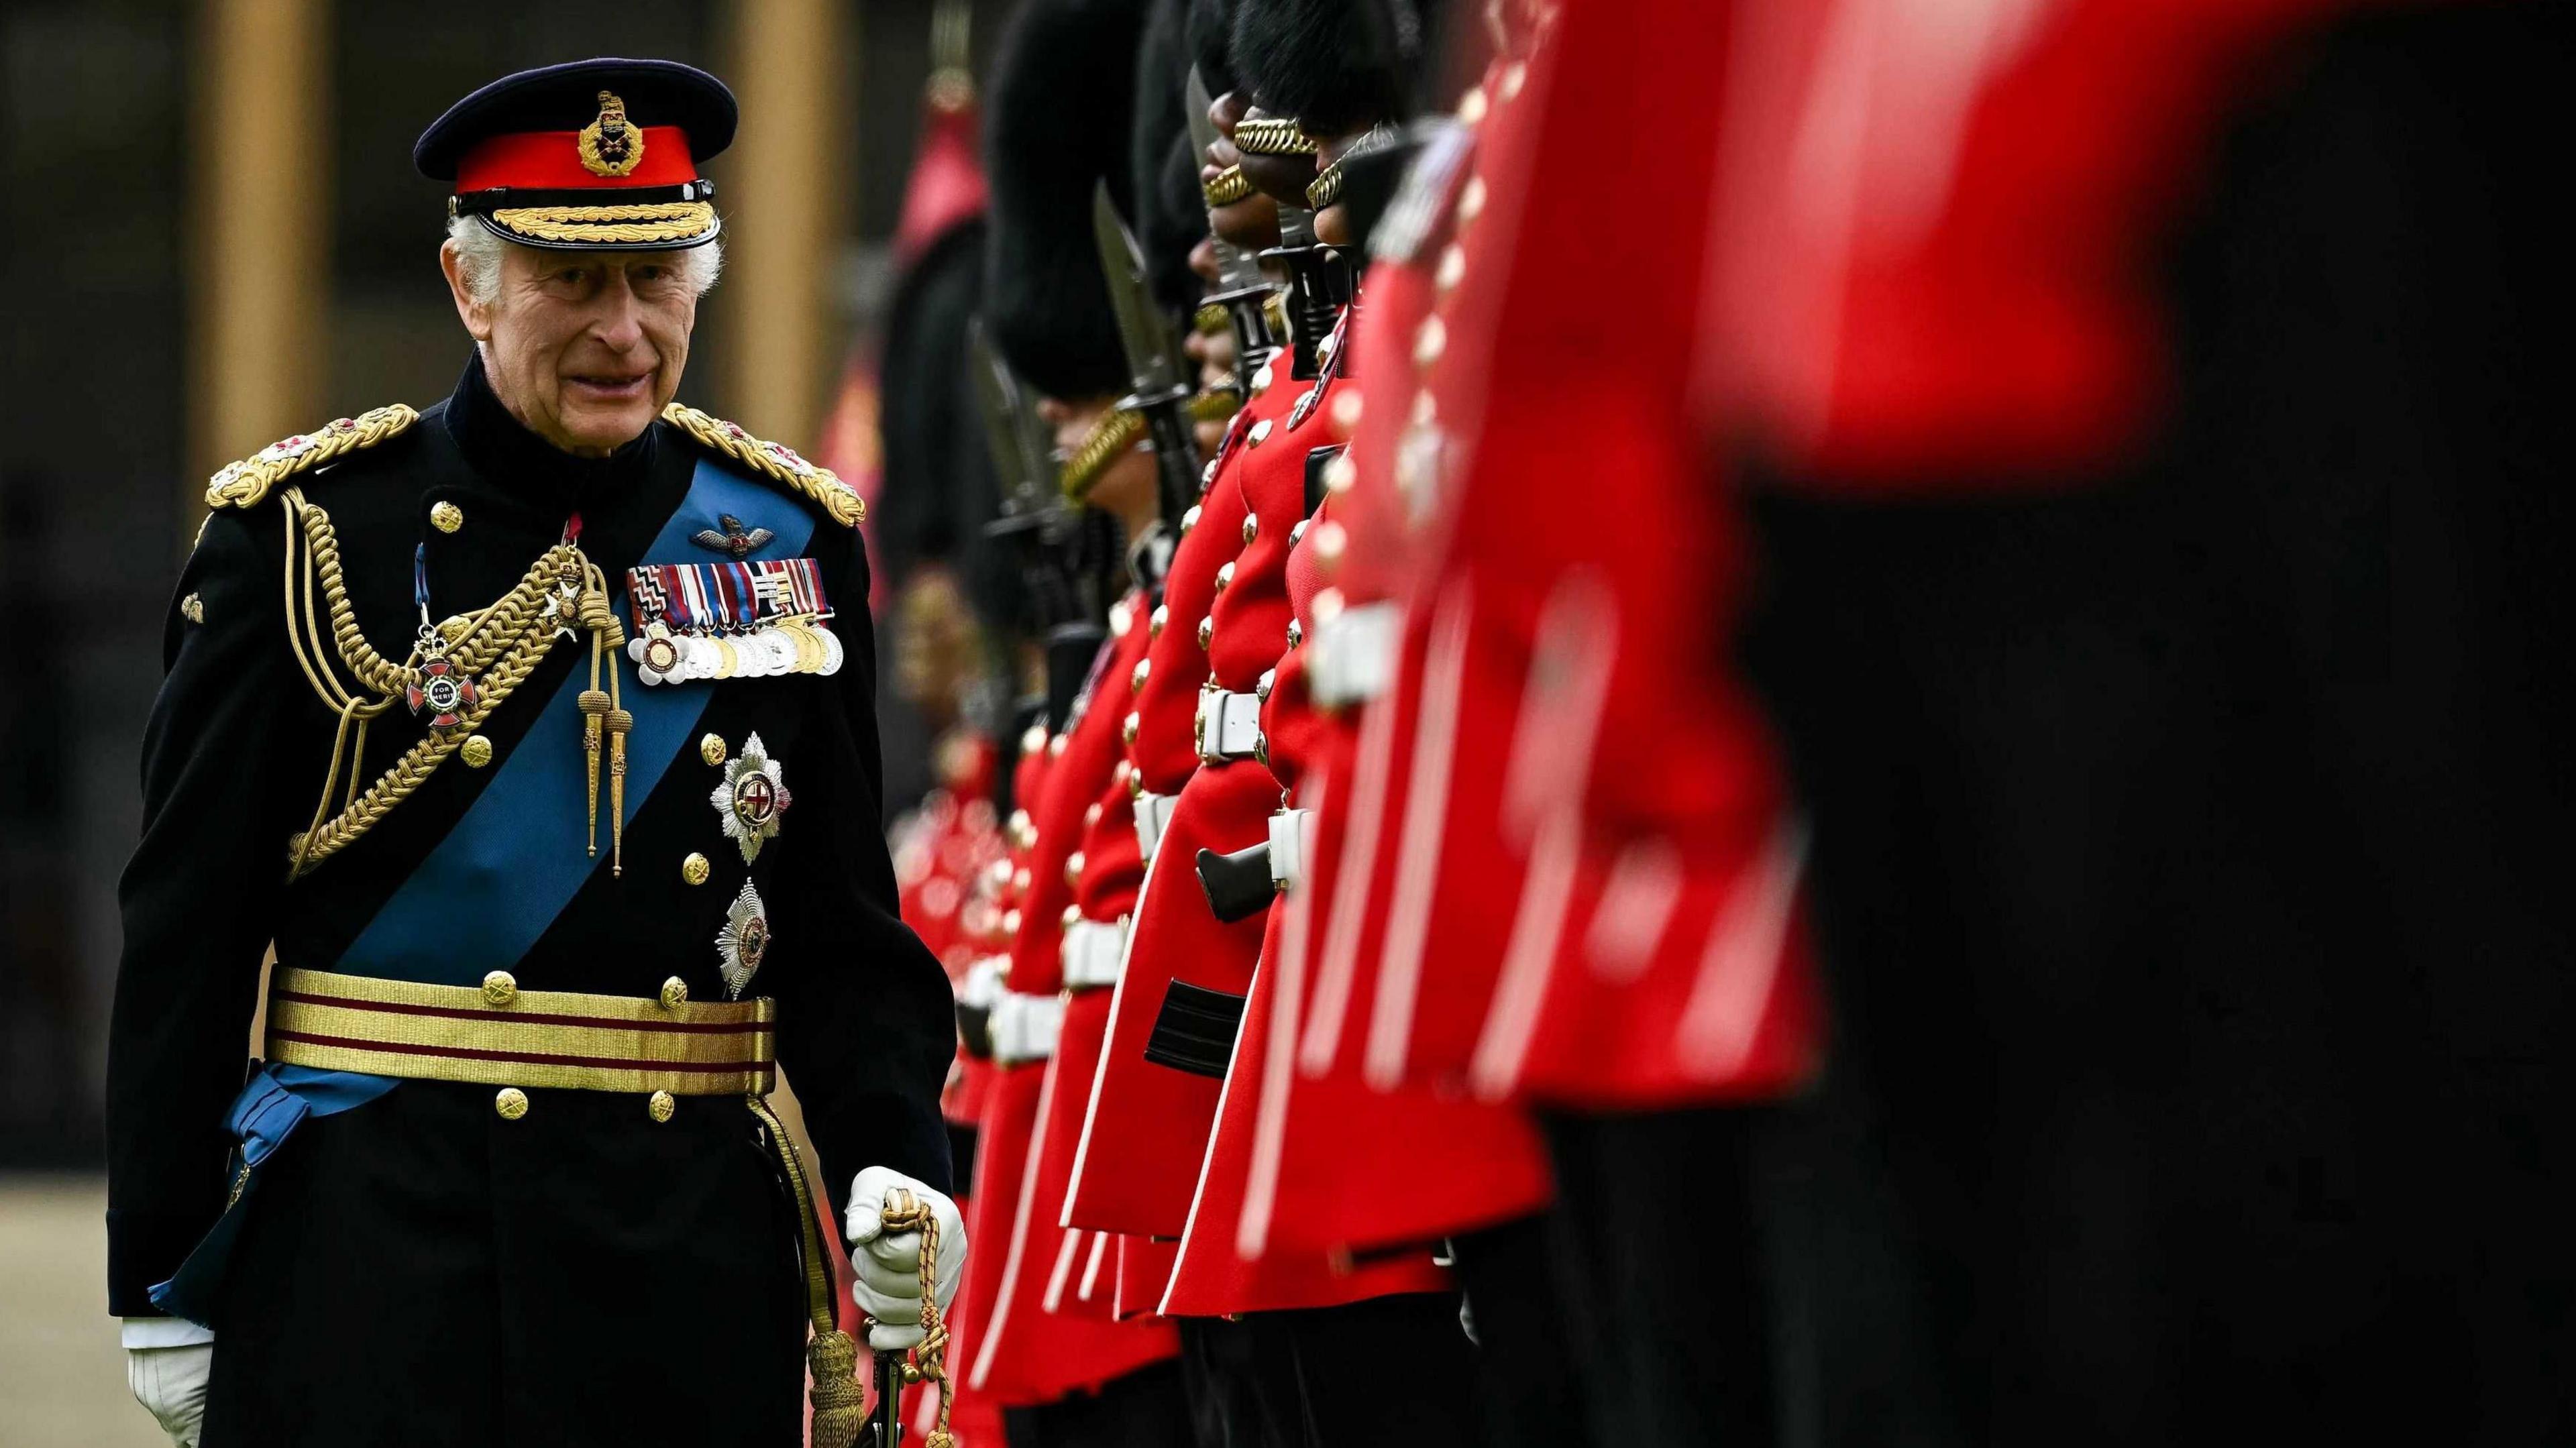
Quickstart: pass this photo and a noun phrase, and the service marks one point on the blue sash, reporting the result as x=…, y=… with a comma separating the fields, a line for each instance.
x=510, y=865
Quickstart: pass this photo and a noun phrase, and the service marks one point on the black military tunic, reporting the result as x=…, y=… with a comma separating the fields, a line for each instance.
x=420, y=1269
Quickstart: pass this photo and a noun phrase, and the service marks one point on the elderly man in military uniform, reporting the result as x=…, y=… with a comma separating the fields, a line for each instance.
x=535, y=731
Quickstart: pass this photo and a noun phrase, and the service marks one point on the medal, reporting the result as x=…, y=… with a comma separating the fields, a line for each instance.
x=739, y=620
x=752, y=798
x=743, y=941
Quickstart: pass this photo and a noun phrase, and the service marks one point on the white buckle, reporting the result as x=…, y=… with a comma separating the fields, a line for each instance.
x=1229, y=725
x=1025, y=1027
x=1153, y=812
x=982, y=988
x=1091, y=951
x=1288, y=847
x=1350, y=657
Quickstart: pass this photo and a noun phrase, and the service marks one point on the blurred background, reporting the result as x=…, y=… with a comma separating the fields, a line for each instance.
x=217, y=239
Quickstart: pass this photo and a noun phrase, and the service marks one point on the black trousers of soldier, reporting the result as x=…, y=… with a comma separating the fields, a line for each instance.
x=1147, y=1408
x=1391, y=1371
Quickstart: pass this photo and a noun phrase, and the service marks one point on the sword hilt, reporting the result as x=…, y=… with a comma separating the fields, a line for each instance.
x=903, y=1212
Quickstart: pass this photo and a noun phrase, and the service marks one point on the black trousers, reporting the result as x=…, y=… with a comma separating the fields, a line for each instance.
x=1147, y=1408
x=1531, y=1377
x=1393, y=1371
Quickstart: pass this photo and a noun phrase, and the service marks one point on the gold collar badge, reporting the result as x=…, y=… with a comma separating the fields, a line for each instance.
x=611, y=145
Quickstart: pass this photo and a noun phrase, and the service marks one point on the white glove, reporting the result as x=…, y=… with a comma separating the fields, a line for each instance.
x=888, y=1264
x=170, y=1382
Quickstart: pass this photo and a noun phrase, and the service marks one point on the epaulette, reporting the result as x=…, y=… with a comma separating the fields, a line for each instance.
x=774, y=461
x=245, y=483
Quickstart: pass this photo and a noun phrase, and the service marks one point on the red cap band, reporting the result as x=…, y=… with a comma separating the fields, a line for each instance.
x=551, y=161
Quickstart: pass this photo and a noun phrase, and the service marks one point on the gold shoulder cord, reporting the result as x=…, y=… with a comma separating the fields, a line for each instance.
x=497, y=648
x=775, y=461
x=483, y=657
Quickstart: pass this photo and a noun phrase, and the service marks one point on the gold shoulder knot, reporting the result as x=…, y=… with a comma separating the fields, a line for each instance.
x=245, y=483
x=775, y=461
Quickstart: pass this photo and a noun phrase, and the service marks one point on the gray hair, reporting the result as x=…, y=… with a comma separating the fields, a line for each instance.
x=479, y=253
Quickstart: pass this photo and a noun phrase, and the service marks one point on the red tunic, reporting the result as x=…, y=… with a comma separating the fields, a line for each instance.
x=1028, y=1355
x=1145, y=1125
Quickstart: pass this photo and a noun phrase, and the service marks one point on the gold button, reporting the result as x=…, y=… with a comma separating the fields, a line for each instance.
x=446, y=517
x=1091, y=812
x=1127, y=731
x=675, y=993
x=1144, y=667
x=1326, y=605
x=1073, y=869
x=1453, y=268
x=500, y=988
x=1072, y=916
x=1346, y=412
x=695, y=868
x=1033, y=739
x=1010, y=922
x=1296, y=633
x=1225, y=578
x=1207, y=631
x=477, y=751
x=1471, y=106
x=1251, y=528
x=661, y=1104
x=1260, y=432
x=511, y=1102
x=712, y=749
x=1190, y=520
x=1340, y=473
x=1055, y=746
x=1121, y=618
x=1154, y=623
x=1330, y=541
x=1430, y=342
x=1297, y=534
x=1024, y=831
x=1471, y=198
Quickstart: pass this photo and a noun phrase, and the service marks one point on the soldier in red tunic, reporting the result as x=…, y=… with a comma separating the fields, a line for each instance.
x=1061, y=1378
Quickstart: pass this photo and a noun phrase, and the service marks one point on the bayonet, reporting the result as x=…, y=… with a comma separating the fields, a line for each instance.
x=1058, y=549
x=1319, y=284
x=1153, y=358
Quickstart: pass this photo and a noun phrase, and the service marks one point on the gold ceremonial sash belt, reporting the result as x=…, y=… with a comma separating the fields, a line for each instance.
x=499, y=1035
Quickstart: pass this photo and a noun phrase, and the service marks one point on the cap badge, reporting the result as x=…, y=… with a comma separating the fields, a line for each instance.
x=611, y=145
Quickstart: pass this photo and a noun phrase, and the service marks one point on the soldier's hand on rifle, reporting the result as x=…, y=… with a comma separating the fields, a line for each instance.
x=888, y=1264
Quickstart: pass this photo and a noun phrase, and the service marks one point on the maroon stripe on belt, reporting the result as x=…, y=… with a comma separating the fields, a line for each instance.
x=542, y=1018
x=530, y=1058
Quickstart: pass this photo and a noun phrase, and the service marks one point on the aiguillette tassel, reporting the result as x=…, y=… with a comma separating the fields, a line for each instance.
x=619, y=723
x=594, y=705
x=608, y=638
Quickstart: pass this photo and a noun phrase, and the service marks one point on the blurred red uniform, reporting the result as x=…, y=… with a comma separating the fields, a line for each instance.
x=1027, y=1355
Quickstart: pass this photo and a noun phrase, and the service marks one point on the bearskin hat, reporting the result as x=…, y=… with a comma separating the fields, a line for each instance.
x=1334, y=66
x=1063, y=87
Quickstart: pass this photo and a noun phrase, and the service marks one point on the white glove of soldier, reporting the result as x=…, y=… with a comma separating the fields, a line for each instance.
x=888, y=1264
x=170, y=1382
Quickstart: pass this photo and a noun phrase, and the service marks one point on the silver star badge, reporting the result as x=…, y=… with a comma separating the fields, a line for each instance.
x=743, y=941
x=752, y=798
